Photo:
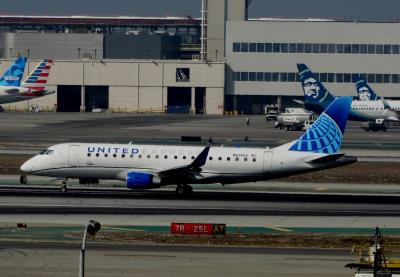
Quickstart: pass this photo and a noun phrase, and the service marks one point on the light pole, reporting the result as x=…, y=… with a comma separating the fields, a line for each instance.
x=91, y=228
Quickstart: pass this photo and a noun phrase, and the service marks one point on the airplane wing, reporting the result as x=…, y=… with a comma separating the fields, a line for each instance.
x=189, y=171
x=12, y=91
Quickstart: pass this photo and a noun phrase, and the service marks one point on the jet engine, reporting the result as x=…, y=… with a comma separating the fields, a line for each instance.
x=139, y=180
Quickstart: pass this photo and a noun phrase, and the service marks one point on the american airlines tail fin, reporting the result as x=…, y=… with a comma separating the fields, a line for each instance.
x=365, y=92
x=316, y=97
x=37, y=80
x=326, y=134
x=13, y=75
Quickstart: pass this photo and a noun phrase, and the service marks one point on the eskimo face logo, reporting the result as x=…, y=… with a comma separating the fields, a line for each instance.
x=311, y=87
x=364, y=94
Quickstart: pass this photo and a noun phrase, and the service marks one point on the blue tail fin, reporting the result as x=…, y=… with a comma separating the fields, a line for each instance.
x=365, y=92
x=326, y=134
x=316, y=97
x=14, y=74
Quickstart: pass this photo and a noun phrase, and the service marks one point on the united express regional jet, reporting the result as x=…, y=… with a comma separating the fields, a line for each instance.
x=11, y=89
x=152, y=166
x=317, y=98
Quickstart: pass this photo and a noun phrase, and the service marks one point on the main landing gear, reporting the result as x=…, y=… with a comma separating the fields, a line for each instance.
x=184, y=190
x=23, y=179
x=63, y=185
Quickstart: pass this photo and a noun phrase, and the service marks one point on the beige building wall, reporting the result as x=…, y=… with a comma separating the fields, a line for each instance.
x=150, y=98
x=214, y=101
x=123, y=98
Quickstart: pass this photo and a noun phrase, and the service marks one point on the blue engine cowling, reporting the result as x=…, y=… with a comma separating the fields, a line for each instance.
x=137, y=180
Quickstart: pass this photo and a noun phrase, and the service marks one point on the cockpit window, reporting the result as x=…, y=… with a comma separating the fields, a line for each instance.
x=46, y=152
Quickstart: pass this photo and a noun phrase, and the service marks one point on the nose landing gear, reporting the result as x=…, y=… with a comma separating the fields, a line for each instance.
x=184, y=190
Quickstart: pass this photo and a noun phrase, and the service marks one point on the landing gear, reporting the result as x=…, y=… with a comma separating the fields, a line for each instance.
x=184, y=190
x=63, y=185
x=23, y=179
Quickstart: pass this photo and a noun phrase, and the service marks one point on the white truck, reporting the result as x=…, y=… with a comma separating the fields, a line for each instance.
x=294, y=119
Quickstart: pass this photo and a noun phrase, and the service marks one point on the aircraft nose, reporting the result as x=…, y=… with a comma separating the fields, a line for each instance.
x=27, y=166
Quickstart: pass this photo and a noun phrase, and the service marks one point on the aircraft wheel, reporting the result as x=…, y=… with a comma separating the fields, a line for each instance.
x=184, y=190
x=63, y=188
x=23, y=179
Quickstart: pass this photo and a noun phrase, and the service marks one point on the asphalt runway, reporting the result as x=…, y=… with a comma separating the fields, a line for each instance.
x=55, y=259
x=43, y=129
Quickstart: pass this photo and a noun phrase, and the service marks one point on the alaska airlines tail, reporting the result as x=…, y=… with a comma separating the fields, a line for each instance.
x=37, y=80
x=13, y=75
x=316, y=97
x=365, y=92
x=326, y=134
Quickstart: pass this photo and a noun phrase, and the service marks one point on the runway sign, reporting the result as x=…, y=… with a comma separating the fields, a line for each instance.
x=198, y=229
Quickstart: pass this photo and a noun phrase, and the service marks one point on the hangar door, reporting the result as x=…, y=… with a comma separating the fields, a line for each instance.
x=68, y=98
x=96, y=97
x=179, y=99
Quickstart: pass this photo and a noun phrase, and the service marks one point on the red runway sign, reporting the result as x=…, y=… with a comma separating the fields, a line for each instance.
x=198, y=229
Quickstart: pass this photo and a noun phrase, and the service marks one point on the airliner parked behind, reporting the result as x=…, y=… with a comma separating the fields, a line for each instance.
x=152, y=166
x=317, y=98
x=33, y=86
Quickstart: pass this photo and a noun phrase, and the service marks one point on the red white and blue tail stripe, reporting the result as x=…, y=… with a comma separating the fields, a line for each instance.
x=37, y=80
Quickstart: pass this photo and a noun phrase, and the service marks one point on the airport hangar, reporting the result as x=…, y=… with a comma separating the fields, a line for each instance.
x=121, y=63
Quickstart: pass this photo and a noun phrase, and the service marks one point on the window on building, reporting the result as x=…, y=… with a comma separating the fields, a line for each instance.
x=252, y=76
x=331, y=48
x=297, y=77
x=379, y=49
x=347, y=48
x=292, y=47
x=395, y=49
x=323, y=77
x=331, y=77
x=236, y=76
x=276, y=47
x=339, y=77
x=347, y=77
x=260, y=47
x=307, y=48
x=283, y=76
x=355, y=48
x=300, y=48
x=260, y=76
x=323, y=48
x=284, y=47
x=268, y=47
x=387, y=49
x=363, y=49
x=252, y=47
x=315, y=47
x=371, y=78
x=275, y=76
x=244, y=47
x=267, y=76
x=236, y=47
x=378, y=78
x=386, y=78
x=244, y=76
x=339, y=48
x=371, y=48
x=395, y=78
x=291, y=77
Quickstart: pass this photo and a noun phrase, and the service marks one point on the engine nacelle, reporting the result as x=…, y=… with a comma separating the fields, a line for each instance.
x=138, y=180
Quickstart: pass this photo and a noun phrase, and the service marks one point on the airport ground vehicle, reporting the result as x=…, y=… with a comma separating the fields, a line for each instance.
x=374, y=125
x=271, y=113
x=294, y=119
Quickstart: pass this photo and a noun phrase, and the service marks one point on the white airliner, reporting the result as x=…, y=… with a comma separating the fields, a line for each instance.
x=33, y=86
x=151, y=166
x=317, y=98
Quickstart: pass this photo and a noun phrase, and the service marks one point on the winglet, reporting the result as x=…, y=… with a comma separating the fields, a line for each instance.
x=326, y=134
x=201, y=158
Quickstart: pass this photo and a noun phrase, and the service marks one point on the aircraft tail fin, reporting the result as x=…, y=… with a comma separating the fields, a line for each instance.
x=37, y=79
x=326, y=134
x=316, y=97
x=365, y=92
x=13, y=75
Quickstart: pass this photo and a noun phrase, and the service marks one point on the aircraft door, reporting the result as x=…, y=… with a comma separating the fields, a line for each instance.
x=267, y=161
x=73, y=155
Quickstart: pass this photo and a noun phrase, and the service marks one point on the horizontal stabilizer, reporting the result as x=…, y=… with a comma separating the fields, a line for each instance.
x=337, y=158
x=301, y=102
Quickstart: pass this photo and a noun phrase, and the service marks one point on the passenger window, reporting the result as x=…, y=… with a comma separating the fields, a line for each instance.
x=184, y=157
x=192, y=157
x=254, y=159
x=88, y=154
x=228, y=158
x=210, y=158
x=157, y=156
x=131, y=155
x=140, y=156
x=219, y=158
x=106, y=155
x=165, y=157
x=245, y=159
x=123, y=155
x=148, y=156
x=237, y=159
x=97, y=154
x=175, y=157
x=114, y=155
